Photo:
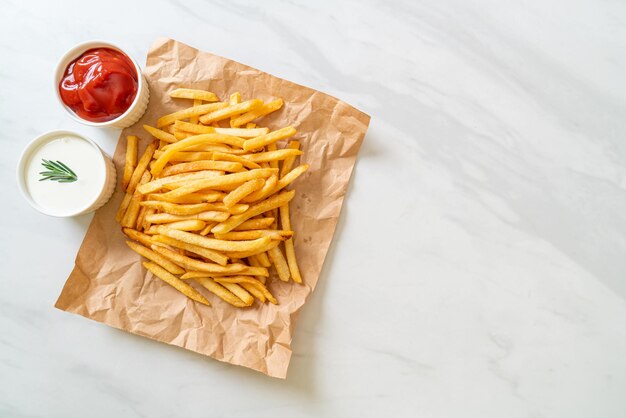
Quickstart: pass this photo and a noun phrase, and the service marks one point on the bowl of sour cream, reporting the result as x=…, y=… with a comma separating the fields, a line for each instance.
x=63, y=174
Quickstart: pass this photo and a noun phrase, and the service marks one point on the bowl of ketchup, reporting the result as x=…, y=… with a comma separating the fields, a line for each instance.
x=98, y=84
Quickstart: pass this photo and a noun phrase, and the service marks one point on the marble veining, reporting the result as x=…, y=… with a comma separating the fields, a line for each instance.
x=479, y=268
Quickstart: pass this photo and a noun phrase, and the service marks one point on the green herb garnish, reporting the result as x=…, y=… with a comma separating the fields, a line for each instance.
x=57, y=171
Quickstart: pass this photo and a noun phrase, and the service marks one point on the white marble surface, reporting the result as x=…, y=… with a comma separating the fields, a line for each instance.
x=479, y=268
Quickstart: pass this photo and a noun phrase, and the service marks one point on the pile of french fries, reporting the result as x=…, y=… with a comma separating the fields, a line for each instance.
x=207, y=199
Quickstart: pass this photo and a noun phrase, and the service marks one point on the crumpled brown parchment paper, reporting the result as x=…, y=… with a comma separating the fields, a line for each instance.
x=109, y=284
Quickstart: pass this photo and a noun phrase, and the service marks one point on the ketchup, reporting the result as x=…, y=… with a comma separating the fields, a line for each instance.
x=100, y=85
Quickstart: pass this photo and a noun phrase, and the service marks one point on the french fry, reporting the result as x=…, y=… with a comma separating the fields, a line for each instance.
x=191, y=156
x=186, y=225
x=175, y=282
x=182, y=135
x=221, y=156
x=194, y=119
x=202, y=129
x=220, y=291
x=252, y=271
x=207, y=229
x=194, y=208
x=242, y=191
x=155, y=257
x=263, y=192
x=290, y=177
x=178, y=209
x=274, y=214
x=264, y=260
x=254, y=224
x=216, y=182
x=140, y=217
x=212, y=255
x=209, y=215
x=240, y=292
x=290, y=160
x=215, y=139
x=256, y=209
x=225, y=149
x=196, y=265
x=266, y=109
x=130, y=217
x=276, y=255
x=142, y=164
x=123, y=207
x=147, y=224
x=231, y=110
x=273, y=148
x=138, y=236
x=245, y=254
x=272, y=156
x=131, y=160
x=157, y=184
x=199, y=197
x=255, y=234
x=201, y=166
x=290, y=251
x=159, y=134
x=270, y=138
x=292, y=261
x=203, y=95
x=189, y=112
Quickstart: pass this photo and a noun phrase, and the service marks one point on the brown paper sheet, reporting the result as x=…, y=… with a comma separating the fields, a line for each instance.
x=109, y=284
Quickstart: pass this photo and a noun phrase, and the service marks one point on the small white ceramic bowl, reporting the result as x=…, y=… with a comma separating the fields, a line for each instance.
x=136, y=109
x=106, y=186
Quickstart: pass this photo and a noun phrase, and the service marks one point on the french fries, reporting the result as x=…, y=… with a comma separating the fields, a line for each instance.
x=204, y=202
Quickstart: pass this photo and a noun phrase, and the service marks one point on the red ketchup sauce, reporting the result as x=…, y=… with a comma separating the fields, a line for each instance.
x=100, y=85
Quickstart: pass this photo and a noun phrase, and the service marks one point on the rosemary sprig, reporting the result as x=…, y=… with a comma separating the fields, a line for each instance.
x=57, y=171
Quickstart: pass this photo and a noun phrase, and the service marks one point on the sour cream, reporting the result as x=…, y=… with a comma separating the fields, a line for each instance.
x=83, y=157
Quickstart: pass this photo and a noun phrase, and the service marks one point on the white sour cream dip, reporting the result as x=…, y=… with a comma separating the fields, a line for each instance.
x=64, y=199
